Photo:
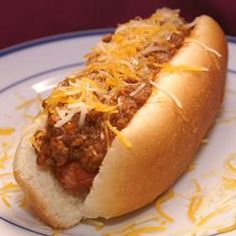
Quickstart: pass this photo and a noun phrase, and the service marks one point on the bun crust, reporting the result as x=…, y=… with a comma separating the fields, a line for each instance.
x=164, y=140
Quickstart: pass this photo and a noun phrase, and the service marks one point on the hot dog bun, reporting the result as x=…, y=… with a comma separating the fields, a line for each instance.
x=162, y=148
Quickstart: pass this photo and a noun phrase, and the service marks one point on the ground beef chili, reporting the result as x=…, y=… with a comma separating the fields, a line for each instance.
x=75, y=153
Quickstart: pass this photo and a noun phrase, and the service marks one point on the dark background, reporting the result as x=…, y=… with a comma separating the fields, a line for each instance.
x=22, y=20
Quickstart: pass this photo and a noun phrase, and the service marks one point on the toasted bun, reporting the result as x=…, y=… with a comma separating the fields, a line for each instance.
x=164, y=140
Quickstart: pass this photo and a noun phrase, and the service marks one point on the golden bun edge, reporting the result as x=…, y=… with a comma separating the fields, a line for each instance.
x=164, y=140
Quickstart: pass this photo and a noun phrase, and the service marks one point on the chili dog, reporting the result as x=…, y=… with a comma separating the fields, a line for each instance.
x=113, y=136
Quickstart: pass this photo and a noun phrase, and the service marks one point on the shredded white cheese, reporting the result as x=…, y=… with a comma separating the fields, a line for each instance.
x=169, y=94
x=137, y=90
x=203, y=45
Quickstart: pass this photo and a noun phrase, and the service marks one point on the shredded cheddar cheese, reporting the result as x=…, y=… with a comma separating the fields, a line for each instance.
x=205, y=141
x=121, y=231
x=7, y=189
x=29, y=102
x=4, y=199
x=6, y=131
x=29, y=117
x=229, y=183
x=56, y=232
x=145, y=230
x=191, y=167
x=98, y=225
x=7, y=174
x=208, y=217
x=4, y=159
x=227, y=229
x=167, y=68
x=230, y=162
x=195, y=202
x=119, y=134
x=169, y=195
x=131, y=226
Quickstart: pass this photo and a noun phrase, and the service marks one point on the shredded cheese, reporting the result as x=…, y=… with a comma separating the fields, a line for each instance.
x=230, y=163
x=169, y=195
x=204, y=46
x=7, y=189
x=29, y=102
x=137, y=90
x=56, y=232
x=132, y=226
x=64, y=117
x=123, y=230
x=29, y=117
x=98, y=225
x=6, y=131
x=169, y=94
x=4, y=199
x=195, y=202
x=205, y=141
x=208, y=217
x=7, y=174
x=229, y=183
x=167, y=68
x=191, y=167
x=4, y=159
x=119, y=134
x=145, y=230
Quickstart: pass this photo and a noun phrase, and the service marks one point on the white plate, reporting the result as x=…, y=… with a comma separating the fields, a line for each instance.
x=34, y=68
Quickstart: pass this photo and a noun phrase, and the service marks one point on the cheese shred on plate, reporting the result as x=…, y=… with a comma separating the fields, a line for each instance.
x=6, y=131
x=195, y=202
x=168, y=196
x=7, y=189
